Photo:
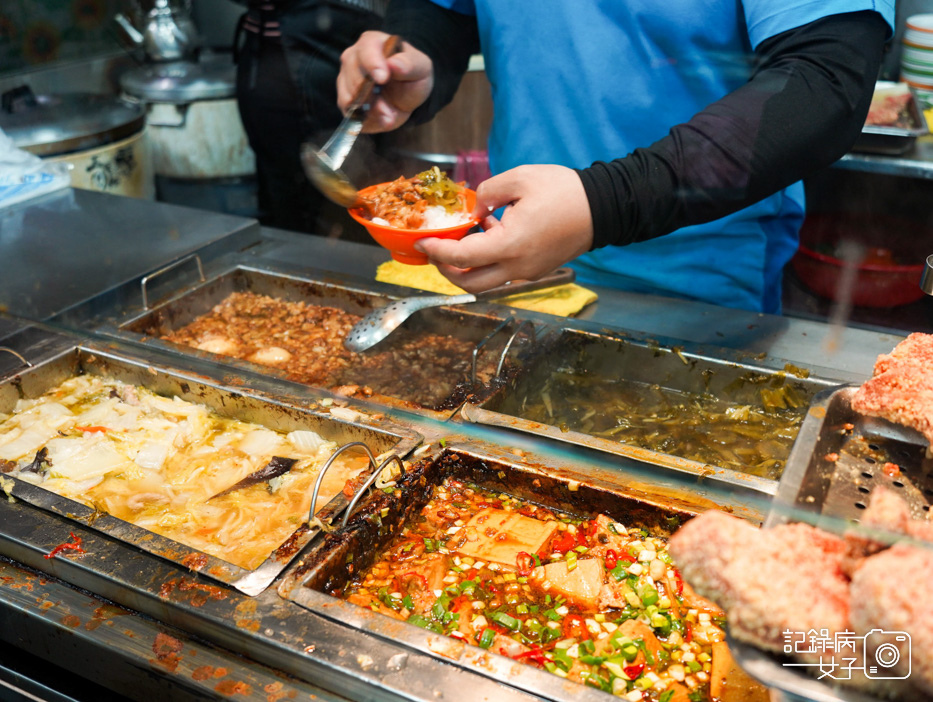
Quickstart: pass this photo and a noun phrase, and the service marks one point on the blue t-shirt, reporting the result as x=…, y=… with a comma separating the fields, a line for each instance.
x=576, y=81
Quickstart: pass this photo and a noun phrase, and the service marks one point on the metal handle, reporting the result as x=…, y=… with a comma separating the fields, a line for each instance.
x=525, y=326
x=131, y=33
x=560, y=276
x=181, y=110
x=165, y=269
x=18, y=355
x=520, y=326
x=369, y=481
x=926, y=282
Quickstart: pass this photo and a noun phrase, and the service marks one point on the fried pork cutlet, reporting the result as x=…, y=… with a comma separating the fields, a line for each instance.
x=901, y=387
x=884, y=522
x=760, y=577
x=890, y=592
x=797, y=578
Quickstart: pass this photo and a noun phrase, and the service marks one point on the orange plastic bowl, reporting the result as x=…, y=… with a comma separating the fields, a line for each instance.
x=401, y=242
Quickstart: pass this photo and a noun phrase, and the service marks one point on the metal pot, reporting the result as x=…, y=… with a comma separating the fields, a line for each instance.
x=194, y=129
x=101, y=137
x=167, y=31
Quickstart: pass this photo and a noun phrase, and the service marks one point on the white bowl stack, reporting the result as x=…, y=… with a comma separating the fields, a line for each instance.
x=917, y=54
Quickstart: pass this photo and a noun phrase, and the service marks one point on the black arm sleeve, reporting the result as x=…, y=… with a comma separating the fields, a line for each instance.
x=802, y=110
x=448, y=38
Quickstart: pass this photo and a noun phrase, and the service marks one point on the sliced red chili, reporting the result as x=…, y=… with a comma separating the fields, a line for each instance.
x=679, y=581
x=74, y=545
x=525, y=563
x=92, y=429
x=460, y=601
x=563, y=543
x=610, y=559
x=536, y=654
x=633, y=671
x=626, y=556
x=688, y=632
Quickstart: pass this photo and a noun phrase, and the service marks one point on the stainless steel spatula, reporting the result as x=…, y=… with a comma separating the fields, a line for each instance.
x=378, y=324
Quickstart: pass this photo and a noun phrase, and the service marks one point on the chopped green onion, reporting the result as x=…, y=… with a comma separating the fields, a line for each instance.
x=562, y=658
x=420, y=621
x=571, y=560
x=505, y=620
x=485, y=640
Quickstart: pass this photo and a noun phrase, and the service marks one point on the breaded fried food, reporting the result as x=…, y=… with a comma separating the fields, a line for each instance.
x=901, y=387
x=886, y=518
x=758, y=576
x=891, y=592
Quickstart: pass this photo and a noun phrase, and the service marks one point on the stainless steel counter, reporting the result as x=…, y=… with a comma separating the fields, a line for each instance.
x=66, y=250
x=846, y=354
x=915, y=163
x=69, y=246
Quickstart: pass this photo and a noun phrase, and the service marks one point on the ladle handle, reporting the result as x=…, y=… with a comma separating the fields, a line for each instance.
x=358, y=106
x=559, y=276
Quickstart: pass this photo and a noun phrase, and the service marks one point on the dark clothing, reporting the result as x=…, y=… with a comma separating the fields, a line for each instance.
x=288, y=62
x=701, y=171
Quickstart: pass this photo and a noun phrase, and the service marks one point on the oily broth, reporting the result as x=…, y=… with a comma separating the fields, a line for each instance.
x=749, y=438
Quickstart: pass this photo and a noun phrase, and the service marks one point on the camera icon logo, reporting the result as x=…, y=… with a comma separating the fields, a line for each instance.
x=886, y=654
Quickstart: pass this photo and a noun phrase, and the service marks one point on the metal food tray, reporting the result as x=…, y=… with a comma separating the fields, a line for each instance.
x=893, y=141
x=614, y=356
x=250, y=406
x=492, y=331
x=328, y=565
x=831, y=494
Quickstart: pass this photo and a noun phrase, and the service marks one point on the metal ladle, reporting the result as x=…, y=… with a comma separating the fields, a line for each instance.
x=378, y=324
x=323, y=166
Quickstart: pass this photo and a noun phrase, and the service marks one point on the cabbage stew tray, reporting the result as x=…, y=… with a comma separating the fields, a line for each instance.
x=255, y=406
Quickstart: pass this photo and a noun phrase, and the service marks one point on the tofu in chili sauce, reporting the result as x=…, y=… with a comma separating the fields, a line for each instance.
x=587, y=599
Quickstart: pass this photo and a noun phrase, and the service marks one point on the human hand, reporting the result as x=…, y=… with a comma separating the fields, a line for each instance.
x=546, y=223
x=407, y=79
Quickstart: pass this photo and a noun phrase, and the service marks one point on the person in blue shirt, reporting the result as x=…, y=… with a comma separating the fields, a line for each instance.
x=657, y=145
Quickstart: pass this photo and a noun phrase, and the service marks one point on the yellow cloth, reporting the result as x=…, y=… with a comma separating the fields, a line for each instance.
x=564, y=300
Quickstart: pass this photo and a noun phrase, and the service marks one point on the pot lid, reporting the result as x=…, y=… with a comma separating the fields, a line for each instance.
x=49, y=125
x=181, y=81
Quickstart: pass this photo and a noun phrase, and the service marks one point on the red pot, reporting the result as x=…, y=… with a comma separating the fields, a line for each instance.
x=886, y=277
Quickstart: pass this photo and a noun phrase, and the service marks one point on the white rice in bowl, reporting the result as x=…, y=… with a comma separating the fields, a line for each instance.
x=435, y=217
